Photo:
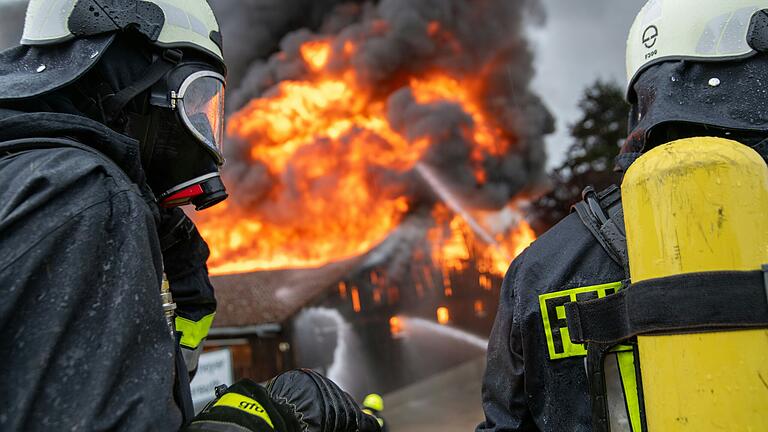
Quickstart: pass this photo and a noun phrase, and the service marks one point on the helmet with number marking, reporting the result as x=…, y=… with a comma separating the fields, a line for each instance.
x=697, y=68
x=700, y=30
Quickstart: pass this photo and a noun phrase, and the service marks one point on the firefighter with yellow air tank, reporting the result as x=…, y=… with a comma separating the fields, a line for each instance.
x=646, y=309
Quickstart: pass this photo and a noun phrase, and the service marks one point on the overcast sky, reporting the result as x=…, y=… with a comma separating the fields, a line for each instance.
x=581, y=41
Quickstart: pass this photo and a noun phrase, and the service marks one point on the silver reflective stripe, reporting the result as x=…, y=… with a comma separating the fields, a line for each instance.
x=180, y=18
x=617, y=407
x=47, y=21
x=726, y=35
x=191, y=357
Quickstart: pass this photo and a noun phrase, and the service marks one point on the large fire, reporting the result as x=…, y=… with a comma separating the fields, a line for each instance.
x=454, y=244
x=326, y=141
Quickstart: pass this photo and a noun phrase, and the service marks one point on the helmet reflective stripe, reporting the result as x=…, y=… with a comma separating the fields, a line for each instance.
x=186, y=23
x=702, y=30
x=46, y=22
x=189, y=22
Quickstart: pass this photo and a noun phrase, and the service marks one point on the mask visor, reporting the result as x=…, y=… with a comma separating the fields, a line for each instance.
x=200, y=102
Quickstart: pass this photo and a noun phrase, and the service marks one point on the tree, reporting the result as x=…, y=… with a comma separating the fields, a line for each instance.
x=598, y=135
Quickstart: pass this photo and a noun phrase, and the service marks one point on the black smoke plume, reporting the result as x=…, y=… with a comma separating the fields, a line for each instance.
x=11, y=23
x=477, y=37
x=396, y=39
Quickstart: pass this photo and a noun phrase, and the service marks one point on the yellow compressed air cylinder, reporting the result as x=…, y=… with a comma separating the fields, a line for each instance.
x=699, y=205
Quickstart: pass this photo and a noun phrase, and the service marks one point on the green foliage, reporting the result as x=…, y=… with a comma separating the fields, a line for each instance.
x=597, y=135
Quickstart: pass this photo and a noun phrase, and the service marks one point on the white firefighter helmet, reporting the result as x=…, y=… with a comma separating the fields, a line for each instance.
x=699, y=30
x=167, y=23
x=63, y=39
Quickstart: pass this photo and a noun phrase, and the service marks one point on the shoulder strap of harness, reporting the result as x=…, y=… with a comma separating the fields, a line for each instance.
x=40, y=143
x=24, y=144
x=603, y=216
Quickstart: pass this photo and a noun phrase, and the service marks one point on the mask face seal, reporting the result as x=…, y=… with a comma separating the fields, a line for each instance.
x=186, y=137
x=202, y=192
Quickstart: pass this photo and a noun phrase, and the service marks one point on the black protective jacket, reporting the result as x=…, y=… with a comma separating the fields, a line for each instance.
x=535, y=378
x=84, y=344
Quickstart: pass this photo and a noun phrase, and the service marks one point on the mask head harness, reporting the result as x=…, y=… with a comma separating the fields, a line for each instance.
x=180, y=127
x=158, y=77
x=193, y=95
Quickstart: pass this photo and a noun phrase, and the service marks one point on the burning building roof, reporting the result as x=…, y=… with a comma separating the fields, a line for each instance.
x=273, y=297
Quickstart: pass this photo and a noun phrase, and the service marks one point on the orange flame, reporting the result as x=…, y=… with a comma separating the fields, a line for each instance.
x=316, y=54
x=458, y=246
x=443, y=315
x=436, y=88
x=479, y=307
x=322, y=141
x=395, y=326
x=355, y=300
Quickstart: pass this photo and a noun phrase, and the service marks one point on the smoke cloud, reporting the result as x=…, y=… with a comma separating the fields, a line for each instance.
x=11, y=22
x=252, y=29
x=393, y=40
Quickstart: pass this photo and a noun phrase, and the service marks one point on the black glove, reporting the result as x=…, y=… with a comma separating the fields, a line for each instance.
x=319, y=404
x=296, y=401
x=244, y=407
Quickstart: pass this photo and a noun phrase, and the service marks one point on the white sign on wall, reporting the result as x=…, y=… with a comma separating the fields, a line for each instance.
x=213, y=369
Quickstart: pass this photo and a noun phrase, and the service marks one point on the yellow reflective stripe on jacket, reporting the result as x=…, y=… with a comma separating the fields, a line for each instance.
x=552, y=306
x=628, y=374
x=193, y=332
x=245, y=404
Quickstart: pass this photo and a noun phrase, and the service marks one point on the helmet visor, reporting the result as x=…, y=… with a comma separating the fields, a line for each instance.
x=201, y=106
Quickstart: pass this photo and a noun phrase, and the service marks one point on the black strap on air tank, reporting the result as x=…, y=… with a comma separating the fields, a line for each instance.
x=603, y=216
x=682, y=303
x=687, y=303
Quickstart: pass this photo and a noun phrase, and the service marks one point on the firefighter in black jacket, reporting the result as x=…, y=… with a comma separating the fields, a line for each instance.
x=111, y=117
x=695, y=68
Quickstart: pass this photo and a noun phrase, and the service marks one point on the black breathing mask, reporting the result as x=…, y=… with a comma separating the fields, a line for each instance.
x=183, y=137
x=172, y=102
